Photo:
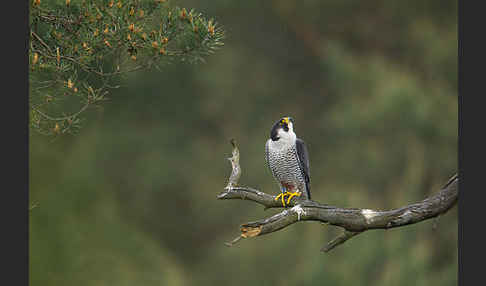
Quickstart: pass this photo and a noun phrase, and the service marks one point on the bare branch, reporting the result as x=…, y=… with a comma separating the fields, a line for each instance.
x=353, y=220
x=235, y=164
x=339, y=240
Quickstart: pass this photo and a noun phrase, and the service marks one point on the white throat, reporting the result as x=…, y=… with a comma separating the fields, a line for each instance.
x=286, y=138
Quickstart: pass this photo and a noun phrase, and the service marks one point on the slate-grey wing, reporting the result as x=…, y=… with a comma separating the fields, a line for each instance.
x=303, y=156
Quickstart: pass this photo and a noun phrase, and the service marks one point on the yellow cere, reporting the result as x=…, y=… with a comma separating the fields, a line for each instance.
x=285, y=120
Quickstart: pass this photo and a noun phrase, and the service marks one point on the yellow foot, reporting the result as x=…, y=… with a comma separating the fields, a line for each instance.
x=283, y=196
x=291, y=195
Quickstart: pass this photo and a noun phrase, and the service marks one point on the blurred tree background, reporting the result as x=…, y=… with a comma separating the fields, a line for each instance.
x=372, y=86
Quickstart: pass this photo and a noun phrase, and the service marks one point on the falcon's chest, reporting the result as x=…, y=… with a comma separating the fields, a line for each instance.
x=283, y=161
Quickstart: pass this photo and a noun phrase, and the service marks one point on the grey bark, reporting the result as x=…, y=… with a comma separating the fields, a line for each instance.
x=353, y=220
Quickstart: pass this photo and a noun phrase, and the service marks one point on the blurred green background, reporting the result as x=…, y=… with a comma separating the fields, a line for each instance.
x=372, y=86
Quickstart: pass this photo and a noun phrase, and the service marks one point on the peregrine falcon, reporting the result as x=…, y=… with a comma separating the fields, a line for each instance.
x=288, y=159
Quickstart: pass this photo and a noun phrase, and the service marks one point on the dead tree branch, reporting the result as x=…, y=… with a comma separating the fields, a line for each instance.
x=353, y=220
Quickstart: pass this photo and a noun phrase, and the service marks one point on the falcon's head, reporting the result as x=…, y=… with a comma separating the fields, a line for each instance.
x=283, y=129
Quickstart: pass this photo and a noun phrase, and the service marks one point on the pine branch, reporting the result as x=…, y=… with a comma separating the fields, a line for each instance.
x=84, y=46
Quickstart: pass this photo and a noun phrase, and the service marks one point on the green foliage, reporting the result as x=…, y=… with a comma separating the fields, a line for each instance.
x=79, y=50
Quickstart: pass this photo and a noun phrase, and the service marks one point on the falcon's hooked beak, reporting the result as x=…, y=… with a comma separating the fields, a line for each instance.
x=281, y=124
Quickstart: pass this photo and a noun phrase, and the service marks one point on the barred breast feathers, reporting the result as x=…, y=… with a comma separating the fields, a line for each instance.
x=283, y=161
